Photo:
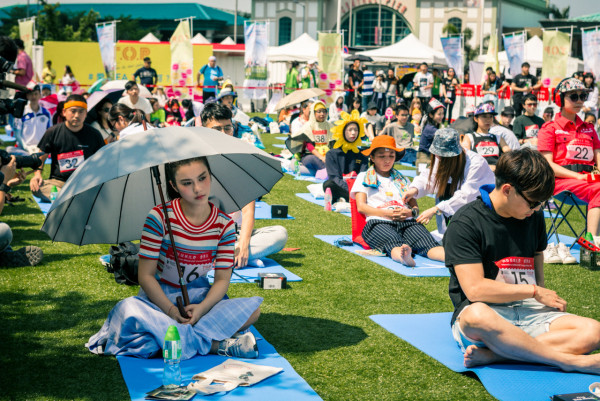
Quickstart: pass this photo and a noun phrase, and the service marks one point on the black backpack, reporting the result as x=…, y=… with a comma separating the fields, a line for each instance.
x=124, y=261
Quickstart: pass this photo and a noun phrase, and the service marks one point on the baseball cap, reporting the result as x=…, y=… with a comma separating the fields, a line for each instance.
x=212, y=58
x=485, y=108
x=508, y=111
x=371, y=105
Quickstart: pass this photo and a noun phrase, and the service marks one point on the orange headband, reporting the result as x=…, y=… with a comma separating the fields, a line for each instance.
x=75, y=103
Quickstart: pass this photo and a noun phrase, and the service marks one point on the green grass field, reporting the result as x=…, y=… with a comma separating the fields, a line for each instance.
x=320, y=325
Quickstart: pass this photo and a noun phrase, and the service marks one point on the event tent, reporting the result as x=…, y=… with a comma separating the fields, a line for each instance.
x=534, y=49
x=408, y=50
x=228, y=41
x=199, y=39
x=150, y=38
x=303, y=49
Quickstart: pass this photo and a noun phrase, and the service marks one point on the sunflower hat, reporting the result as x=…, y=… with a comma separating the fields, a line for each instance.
x=338, y=131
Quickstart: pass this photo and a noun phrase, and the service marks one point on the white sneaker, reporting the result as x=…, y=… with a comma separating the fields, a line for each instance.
x=565, y=254
x=551, y=254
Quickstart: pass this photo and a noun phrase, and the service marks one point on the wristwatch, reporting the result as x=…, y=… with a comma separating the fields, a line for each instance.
x=415, y=212
x=4, y=188
x=438, y=212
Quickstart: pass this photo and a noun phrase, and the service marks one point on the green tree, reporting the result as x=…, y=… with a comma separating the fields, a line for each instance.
x=557, y=13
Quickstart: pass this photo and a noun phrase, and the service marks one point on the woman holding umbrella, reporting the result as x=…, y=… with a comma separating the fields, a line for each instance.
x=204, y=237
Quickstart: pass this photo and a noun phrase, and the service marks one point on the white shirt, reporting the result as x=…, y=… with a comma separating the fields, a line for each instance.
x=143, y=104
x=32, y=126
x=423, y=80
x=297, y=124
x=506, y=134
x=477, y=173
x=386, y=196
x=132, y=129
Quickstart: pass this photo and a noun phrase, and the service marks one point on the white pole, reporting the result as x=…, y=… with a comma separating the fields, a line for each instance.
x=481, y=28
x=350, y=26
x=339, y=17
x=235, y=22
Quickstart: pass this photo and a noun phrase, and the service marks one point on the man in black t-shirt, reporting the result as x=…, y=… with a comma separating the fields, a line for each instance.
x=527, y=125
x=147, y=75
x=355, y=81
x=522, y=85
x=493, y=248
x=68, y=144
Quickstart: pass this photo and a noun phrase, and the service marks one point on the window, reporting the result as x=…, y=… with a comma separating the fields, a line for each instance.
x=285, y=30
x=366, y=30
x=457, y=22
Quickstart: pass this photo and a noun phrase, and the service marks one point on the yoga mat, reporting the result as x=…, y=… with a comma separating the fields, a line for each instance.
x=143, y=375
x=320, y=202
x=431, y=334
x=425, y=267
x=281, y=138
x=409, y=173
x=7, y=138
x=44, y=206
x=303, y=177
x=279, y=145
x=251, y=273
x=262, y=211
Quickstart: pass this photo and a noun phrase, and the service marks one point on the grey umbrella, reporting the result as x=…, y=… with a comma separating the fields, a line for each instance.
x=108, y=197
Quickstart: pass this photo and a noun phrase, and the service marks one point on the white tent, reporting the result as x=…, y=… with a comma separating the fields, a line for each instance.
x=408, y=50
x=149, y=38
x=304, y=48
x=534, y=49
x=199, y=39
x=228, y=41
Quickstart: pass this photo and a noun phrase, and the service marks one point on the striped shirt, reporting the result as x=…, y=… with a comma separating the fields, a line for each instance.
x=199, y=248
x=369, y=77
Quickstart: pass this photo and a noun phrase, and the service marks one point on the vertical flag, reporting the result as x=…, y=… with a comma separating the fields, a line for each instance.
x=453, y=50
x=491, y=60
x=555, y=56
x=26, y=33
x=182, y=60
x=256, y=35
x=330, y=60
x=514, y=45
x=590, y=42
x=106, y=41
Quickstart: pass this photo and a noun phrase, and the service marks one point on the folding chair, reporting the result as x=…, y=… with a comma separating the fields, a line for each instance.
x=565, y=202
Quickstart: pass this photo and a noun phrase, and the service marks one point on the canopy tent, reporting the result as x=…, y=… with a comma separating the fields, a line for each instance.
x=303, y=49
x=408, y=50
x=199, y=39
x=534, y=50
x=150, y=38
x=228, y=41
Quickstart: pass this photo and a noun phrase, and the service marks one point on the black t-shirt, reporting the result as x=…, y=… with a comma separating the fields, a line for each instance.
x=521, y=81
x=477, y=234
x=450, y=86
x=69, y=149
x=146, y=75
x=356, y=75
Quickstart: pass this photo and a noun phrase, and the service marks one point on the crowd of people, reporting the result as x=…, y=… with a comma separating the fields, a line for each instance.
x=489, y=177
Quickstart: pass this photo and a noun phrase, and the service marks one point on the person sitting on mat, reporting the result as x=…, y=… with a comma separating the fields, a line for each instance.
x=572, y=148
x=454, y=177
x=204, y=239
x=502, y=308
x=435, y=115
x=391, y=226
x=252, y=244
x=127, y=121
x=345, y=158
x=312, y=142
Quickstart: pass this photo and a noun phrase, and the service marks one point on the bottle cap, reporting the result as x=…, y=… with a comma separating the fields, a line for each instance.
x=54, y=189
x=172, y=334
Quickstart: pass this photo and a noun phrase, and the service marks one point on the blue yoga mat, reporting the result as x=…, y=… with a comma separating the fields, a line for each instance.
x=303, y=177
x=425, y=267
x=251, y=273
x=409, y=173
x=320, y=202
x=281, y=138
x=7, y=138
x=143, y=375
x=279, y=145
x=44, y=206
x=262, y=211
x=431, y=334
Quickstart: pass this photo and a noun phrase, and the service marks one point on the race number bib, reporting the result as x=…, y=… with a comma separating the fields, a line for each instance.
x=580, y=150
x=488, y=149
x=70, y=161
x=194, y=265
x=532, y=131
x=516, y=270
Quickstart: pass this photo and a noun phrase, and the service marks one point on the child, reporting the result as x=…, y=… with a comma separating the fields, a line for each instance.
x=204, y=238
x=403, y=132
x=415, y=111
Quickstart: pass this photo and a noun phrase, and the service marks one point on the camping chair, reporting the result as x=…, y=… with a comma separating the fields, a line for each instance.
x=358, y=219
x=565, y=202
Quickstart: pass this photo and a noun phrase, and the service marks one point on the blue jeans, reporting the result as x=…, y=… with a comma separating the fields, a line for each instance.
x=313, y=163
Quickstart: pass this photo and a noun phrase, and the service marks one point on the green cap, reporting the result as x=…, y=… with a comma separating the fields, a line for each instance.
x=172, y=344
x=172, y=334
x=54, y=189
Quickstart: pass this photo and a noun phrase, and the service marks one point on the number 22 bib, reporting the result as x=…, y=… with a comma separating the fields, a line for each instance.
x=580, y=150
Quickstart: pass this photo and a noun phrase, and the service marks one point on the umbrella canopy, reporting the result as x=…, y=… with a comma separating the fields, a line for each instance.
x=97, y=85
x=95, y=98
x=298, y=97
x=120, y=84
x=360, y=57
x=107, y=199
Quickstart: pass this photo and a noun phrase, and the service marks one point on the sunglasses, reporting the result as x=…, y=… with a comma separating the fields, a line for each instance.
x=532, y=205
x=530, y=104
x=581, y=96
x=106, y=109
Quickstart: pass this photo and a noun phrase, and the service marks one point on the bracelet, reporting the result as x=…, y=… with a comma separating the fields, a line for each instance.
x=534, y=291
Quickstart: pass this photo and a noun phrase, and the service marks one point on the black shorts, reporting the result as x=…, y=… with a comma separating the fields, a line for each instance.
x=386, y=235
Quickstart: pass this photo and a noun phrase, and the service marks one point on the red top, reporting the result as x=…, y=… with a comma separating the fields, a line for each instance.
x=570, y=142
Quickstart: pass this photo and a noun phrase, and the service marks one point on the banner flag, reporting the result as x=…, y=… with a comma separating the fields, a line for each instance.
x=590, y=42
x=26, y=33
x=182, y=60
x=331, y=63
x=256, y=35
x=555, y=57
x=453, y=50
x=514, y=45
x=106, y=41
x=491, y=60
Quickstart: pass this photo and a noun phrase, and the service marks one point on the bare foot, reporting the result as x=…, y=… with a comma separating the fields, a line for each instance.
x=475, y=356
x=406, y=256
x=584, y=363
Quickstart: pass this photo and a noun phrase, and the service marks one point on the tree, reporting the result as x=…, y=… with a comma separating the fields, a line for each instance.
x=556, y=13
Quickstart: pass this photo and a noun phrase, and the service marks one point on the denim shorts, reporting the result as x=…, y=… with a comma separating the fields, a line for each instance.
x=529, y=315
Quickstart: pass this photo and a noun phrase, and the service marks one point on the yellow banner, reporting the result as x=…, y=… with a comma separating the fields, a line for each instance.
x=26, y=34
x=491, y=60
x=330, y=61
x=182, y=59
x=86, y=69
x=555, y=57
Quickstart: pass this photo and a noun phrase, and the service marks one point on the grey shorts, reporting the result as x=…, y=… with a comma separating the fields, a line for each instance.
x=529, y=315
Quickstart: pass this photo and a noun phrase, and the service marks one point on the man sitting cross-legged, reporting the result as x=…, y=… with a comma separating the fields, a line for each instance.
x=493, y=249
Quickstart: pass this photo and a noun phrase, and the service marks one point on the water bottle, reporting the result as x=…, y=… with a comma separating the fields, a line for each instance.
x=296, y=167
x=53, y=193
x=328, y=199
x=172, y=357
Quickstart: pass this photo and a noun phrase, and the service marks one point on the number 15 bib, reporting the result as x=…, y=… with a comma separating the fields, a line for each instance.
x=516, y=270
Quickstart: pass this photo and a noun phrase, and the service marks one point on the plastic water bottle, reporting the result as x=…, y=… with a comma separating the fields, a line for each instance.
x=53, y=193
x=296, y=167
x=172, y=357
x=328, y=198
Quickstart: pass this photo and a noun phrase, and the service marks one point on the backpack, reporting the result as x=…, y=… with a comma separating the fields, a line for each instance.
x=124, y=260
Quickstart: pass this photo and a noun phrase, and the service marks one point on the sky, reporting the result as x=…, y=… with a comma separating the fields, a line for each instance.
x=578, y=7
